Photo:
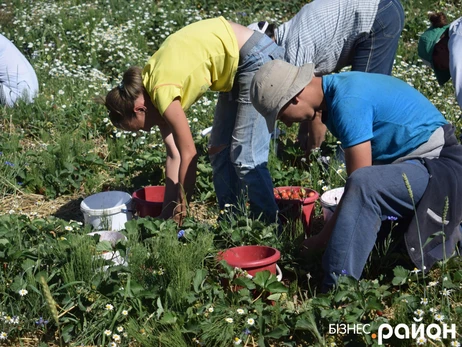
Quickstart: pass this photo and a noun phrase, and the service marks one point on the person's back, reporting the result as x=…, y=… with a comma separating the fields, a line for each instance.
x=17, y=76
x=325, y=32
x=394, y=116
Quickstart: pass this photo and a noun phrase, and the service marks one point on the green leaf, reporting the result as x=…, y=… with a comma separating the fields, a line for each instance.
x=244, y=282
x=432, y=236
x=277, y=287
x=200, y=276
x=168, y=318
x=261, y=278
x=280, y=331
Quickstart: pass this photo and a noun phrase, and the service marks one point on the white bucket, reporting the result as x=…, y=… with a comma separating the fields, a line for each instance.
x=112, y=237
x=329, y=201
x=107, y=210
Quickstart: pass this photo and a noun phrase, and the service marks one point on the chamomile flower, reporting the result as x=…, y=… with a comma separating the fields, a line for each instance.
x=23, y=292
x=229, y=320
x=454, y=343
x=109, y=307
x=240, y=311
x=107, y=332
x=3, y=335
x=237, y=341
x=424, y=301
x=250, y=321
x=415, y=271
x=124, y=312
x=421, y=340
x=446, y=292
x=120, y=329
x=439, y=317
x=116, y=338
x=68, y=228
x=419, y=312
x=112, y=344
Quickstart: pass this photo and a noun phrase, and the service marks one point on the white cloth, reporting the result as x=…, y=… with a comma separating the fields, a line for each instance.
x=324, y=32
x=17, y=76
x=455, y=57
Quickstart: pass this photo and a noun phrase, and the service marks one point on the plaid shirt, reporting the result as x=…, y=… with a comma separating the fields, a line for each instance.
x=324, y=32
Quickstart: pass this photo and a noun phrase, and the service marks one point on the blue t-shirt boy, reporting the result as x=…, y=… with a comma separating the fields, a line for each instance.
x=394, y=116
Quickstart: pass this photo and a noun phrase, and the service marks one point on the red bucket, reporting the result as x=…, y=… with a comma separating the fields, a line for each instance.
x=148, y=201
x=296, y=203
x=252, y=259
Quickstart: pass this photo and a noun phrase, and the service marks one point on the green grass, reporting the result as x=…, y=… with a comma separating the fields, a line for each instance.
x=175, y=292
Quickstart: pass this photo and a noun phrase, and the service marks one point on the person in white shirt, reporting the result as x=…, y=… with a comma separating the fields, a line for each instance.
x=440, y=47
x=17, y=76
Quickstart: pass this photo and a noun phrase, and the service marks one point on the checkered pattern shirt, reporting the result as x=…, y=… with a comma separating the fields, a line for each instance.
x=324, y=32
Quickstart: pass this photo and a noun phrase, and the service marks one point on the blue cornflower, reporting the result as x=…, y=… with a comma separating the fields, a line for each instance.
x=9, y=163
x=246, y=331
x=41, y=322
x=393, y=218
x=181, y=234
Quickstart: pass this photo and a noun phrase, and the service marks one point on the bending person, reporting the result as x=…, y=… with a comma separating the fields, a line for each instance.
x=440, y=47
x=333, y=34
x=222, y=56
x=17, y=77
x=365, y=112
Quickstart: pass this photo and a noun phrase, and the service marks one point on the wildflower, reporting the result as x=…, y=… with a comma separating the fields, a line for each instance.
x=432, y=284
x=432, y=309
x=3, y=335
x=455, y=343
x=68, y=228
x=41, y=322
x=9, y=163
x=419, y=312
x=23, y=292
x=424, y=301
x=116, y=338
x=246, y=331
x=124, y=312
x=421, y=340
x=180, y=234
x=210, y=309
x=109, y=307
x=446, y=292
x=240, y=311
x=120, y=329
x=415, y=271
x=438, y=317
x=237, y=341
x=392, y=218
x=107, y=332
x=112, y=344
x=250, y=321
x=105, y=120
x=229, y=320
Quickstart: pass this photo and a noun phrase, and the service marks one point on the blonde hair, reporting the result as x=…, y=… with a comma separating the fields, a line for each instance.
x=121, y=99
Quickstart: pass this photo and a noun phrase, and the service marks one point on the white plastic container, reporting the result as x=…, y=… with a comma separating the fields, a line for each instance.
x=329, y=201
x=107, y=210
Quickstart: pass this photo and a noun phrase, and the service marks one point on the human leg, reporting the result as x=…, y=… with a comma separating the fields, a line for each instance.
x=372, y=194
x=377, y=52
x=225, y=179
x=251, y=139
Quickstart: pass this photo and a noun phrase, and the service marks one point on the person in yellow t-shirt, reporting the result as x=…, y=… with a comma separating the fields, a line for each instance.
x=211, y=54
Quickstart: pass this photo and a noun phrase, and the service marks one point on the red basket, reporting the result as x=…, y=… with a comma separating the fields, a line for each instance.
x=148, y=201
x=294, y=205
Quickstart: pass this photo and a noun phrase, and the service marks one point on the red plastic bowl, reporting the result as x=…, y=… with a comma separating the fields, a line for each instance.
x=252, y=259
x=293, y=209
x=148, y=201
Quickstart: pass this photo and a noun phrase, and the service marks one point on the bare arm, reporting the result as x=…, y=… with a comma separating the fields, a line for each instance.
x=358, y=156
x=175, y=117
x=312, y=134
x=172, y=169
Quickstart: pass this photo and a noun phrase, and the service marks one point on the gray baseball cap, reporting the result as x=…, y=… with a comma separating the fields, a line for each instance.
x=275, y=84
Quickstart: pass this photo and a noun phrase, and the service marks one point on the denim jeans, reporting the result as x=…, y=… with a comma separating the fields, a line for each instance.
x=377, y=52
x=240, y=169
x=372, y=194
